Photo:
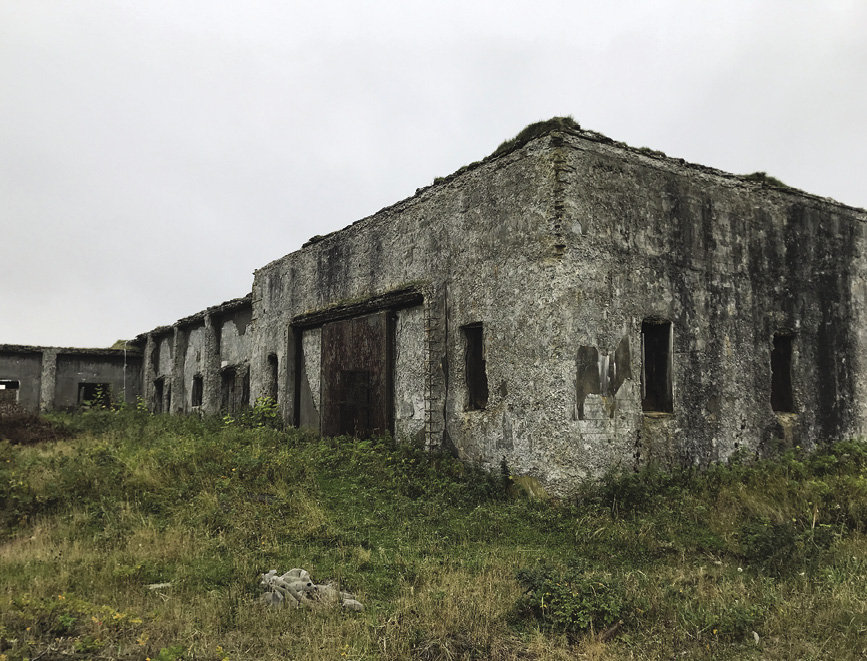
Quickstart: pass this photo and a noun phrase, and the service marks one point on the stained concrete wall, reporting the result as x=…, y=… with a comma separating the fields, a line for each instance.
x=194, y=364
x=26, y=368
x=410, y=374
x=76, y=369
x=234, y=341
x=466, y=246
x=562, y=255
x=157, y=387
x=309, y=399
x=204, y=345
x=560, y=250
x=729, y=263
x=49, y=377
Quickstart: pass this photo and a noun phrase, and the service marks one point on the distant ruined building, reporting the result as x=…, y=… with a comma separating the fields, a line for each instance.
x=567, y=305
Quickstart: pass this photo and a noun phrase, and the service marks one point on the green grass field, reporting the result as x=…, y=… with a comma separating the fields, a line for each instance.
x=761, y=560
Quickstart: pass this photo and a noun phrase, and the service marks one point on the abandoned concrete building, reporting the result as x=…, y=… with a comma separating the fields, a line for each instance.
x=64, y=378
x=567, y=305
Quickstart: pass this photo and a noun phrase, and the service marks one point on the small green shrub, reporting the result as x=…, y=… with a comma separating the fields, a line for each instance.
x=782, y=548
x=264, y=413
x=732, y=622
x=171, y=653
x=571, y=600
x=640, y=491
x=773, y=545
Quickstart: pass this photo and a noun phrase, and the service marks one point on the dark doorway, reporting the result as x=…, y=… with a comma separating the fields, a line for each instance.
x=477, y=377
x=198, y=390
x=94, y=395
x=227, y=390
x=356, y=376
x=245, y=390
x=782, y=395
x=656, y=366
x=273, y=372
x=158, y=395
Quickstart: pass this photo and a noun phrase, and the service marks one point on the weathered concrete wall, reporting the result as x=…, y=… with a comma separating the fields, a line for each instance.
x=310, y=383
x=568, y=307
x=729, y=263
x=26, y=368
x=561, y=250
x=194, y=359
x=76, y=369
x=234, y=340
x=158, y=369
x=465, y=240
x=49, y=377
x=204, y=345
x=410, y=370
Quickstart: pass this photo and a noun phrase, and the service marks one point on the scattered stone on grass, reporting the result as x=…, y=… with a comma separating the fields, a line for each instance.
x=295, y=589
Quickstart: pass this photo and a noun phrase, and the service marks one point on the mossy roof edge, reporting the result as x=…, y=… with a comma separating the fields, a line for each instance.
x=568, y=125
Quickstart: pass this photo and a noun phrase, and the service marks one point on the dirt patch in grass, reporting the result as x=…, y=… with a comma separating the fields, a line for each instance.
x=21, y=427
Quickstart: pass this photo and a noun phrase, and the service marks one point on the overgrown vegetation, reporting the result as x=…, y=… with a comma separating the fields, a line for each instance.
x=751, y=560
x=528, y=133
x=765, y=179
x=536, y=129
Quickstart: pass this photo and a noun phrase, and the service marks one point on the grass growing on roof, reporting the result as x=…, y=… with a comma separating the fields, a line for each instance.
x=536, y=129
x=752, y=560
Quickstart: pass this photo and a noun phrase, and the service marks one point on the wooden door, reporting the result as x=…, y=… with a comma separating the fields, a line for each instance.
x=356, y=376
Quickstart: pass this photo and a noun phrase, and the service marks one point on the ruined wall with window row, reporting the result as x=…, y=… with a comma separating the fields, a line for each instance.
x=618, y=308
x=61, y=378
x=568, y=306
x=201, y=363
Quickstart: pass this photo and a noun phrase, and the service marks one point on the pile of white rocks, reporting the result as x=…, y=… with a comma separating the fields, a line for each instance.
x=296, y=589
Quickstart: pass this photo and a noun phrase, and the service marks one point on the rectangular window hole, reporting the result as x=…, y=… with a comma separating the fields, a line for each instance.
x=198, y=390
x=782, y=393
x=158, y=395
x=477, y=378
x=273, y=373
x=656, y=348
x=9, y=391
x=94, y=395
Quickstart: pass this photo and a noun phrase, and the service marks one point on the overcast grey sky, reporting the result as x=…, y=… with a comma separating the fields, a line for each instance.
x=154, y=153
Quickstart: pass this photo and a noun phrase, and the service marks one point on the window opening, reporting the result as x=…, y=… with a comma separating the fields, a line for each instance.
x=158, y=395
x=9, y=390
x=273, y=376
x=782, y=395
x=477, y=378
x=198, y=390
x=94, y=394
x=245, y=389
x=656, y=342
x=227, y=391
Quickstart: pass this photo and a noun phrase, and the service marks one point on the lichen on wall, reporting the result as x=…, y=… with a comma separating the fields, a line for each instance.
x=409, y=375
x=195, y=360
x=562, y=253
x=311, y=358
